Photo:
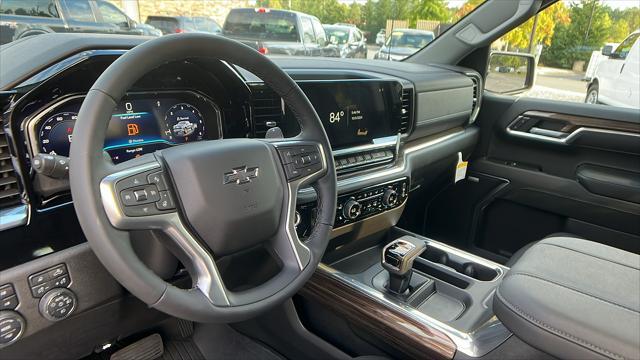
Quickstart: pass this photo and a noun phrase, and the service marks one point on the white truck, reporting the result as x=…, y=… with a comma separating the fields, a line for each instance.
x=617, y=79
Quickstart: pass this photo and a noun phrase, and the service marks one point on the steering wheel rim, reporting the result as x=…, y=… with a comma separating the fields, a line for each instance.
x=95, y=182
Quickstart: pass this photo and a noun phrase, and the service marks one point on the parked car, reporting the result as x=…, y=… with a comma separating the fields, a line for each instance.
x=278, y=32
x=183, y=24
x=22, y=18
x=344, y=24
x=617, y=77
x=404, y=42
x=150, y=29
x=350, y=41
x=381, y=37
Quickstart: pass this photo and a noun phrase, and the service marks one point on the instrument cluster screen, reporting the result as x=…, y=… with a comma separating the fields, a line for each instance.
x=354, y=112
x=140, y=124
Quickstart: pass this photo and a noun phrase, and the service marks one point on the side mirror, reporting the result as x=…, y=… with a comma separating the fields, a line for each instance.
x=510, y=73
x=607, y=50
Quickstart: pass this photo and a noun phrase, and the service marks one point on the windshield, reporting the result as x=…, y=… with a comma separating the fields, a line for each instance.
x=337, y=36
x=310, y=28
x=266, y=24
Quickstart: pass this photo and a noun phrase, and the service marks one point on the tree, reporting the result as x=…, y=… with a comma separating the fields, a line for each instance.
x=431, y=10
x=548, y=19
x=465, y=9
x=354, y=14
x=587, y=31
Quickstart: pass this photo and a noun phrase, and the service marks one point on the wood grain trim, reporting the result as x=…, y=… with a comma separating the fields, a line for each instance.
x=409, y=336
x=576, y=121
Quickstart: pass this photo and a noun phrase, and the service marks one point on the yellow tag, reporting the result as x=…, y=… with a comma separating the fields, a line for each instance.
x=461, y=169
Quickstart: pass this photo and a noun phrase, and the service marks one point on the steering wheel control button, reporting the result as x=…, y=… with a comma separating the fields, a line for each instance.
x=134, y=181
x=141, y=210
x=165, y=202
x=53, y=277
x=138, y=196
x=300, y=160
x=157, y=178
x=141, y=195
x=57, y=304
x=292, y=172
x=12, y=326
x=6, y=290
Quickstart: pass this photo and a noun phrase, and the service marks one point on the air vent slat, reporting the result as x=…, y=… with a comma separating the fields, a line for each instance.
x=476, y=97
x=7, y=180
x=406, y=110
x=9, y=191
x=266, y=109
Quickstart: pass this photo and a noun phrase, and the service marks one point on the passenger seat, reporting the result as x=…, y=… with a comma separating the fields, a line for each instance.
x=573, y=298
x=516, y=255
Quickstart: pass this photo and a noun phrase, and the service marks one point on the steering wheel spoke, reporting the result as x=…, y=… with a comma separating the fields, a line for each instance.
x=140, y=197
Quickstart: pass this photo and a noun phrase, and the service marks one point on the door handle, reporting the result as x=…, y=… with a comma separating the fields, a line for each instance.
x=622, y=67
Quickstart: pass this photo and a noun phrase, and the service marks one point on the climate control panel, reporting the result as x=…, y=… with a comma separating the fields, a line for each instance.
x=371, y=201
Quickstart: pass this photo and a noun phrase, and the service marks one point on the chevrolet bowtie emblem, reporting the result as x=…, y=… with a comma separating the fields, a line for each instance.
x=240, y=175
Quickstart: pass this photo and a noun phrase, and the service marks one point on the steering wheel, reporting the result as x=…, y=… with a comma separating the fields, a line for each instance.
x=211, y=198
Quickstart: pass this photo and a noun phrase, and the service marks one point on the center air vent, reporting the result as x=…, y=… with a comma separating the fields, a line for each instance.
x=407, y=110
x=266, y=109
x=9, y=191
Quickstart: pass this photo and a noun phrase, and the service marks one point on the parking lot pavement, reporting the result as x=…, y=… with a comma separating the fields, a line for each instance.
x=372, y=50
x=559, y=84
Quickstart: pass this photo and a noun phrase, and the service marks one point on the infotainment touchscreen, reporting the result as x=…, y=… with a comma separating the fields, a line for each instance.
x=354, y=112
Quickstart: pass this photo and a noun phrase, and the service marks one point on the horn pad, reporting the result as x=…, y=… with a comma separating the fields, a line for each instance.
x=231, y=191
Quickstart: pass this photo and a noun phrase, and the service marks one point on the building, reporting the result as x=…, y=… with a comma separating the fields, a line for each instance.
x=215, y=9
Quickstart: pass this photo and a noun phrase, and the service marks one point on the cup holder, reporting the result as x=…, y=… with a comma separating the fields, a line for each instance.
x=459, y=264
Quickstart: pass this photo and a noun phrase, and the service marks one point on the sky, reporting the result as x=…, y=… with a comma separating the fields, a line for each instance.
x=615, y=4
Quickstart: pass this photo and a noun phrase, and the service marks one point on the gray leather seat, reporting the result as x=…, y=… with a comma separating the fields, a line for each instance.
x=574, y=299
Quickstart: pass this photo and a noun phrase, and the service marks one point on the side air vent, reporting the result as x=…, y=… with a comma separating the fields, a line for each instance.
x=407, y=110
x=475, y=105
x=266, y=109
x=9, y=191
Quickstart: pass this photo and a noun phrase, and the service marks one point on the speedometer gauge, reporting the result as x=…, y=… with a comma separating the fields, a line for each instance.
x=184, y=123
x=56, y=133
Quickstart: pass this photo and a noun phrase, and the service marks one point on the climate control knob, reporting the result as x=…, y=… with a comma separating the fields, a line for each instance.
x=351, y=209
x=390, y=197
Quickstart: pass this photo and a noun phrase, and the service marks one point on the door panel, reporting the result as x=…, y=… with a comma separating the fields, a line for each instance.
x=587, y=185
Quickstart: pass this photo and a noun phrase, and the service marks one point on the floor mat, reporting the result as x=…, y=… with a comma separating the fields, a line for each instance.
x=181, y=350
x=223, y=342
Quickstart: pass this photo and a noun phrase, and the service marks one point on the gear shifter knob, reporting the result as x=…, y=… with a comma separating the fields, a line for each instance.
x=397, y=259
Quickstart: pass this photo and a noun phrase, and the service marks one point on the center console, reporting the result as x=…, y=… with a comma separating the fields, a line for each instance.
x=444, y=295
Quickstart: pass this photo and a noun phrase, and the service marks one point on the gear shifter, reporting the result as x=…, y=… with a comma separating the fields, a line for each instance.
x=397, y=259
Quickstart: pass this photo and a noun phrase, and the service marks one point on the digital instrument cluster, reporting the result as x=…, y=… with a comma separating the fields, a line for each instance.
x=141, y=123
